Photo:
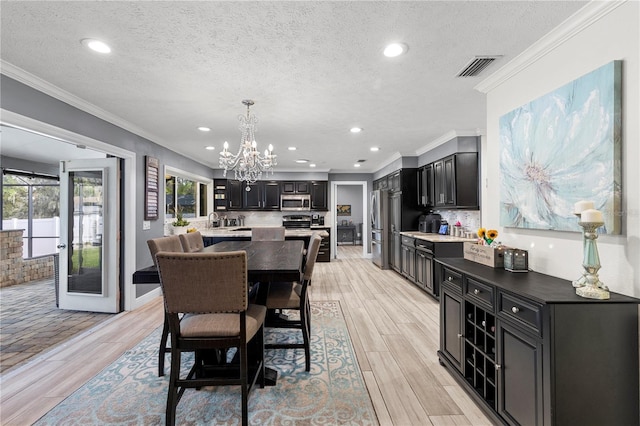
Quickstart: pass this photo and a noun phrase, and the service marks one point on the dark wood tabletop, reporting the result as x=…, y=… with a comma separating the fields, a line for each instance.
x=267, y=261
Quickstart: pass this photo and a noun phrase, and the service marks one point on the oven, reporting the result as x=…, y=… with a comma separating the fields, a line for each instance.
x=296, y=221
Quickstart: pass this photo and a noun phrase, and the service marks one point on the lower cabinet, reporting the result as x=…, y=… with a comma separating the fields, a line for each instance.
x=531, y=352
x=324, y=254
x=408, y=261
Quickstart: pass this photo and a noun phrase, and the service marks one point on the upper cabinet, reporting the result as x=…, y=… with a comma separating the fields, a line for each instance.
x=319, y=198
x=451, y=182
x=265, y=195
x=295, y=187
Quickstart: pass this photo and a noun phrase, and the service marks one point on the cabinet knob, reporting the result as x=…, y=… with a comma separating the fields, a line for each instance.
x=476, y=291
x=498, y=367
x=459, y=336
x=450, y=278
x=515, y=309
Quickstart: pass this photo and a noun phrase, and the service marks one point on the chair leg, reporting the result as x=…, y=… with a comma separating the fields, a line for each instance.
x=163, y=346
x=244, y=383
x=305, y=324
x=172, y=396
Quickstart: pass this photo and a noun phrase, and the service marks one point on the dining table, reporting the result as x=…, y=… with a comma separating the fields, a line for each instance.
x=267, y=261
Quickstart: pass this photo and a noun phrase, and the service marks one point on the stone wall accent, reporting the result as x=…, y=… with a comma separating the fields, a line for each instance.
x=16, y=270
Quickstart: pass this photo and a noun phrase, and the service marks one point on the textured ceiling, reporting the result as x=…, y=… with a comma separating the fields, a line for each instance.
x=314, y=69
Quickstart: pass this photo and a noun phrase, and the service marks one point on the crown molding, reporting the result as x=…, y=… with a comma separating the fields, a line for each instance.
x=49, y=89
x=583, y=18
x=447, y=137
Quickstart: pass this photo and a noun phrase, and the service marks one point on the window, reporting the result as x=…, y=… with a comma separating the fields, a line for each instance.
x=32, y=202
x=188, y=192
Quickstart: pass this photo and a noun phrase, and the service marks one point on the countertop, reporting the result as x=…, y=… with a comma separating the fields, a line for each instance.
x=245, y=231
x=436, y=238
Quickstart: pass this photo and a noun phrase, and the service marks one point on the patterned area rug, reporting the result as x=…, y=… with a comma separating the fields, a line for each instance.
x=130, y=392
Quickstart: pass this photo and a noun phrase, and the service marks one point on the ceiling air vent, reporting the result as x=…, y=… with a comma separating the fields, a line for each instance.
x=361, y=161
x=476, y=65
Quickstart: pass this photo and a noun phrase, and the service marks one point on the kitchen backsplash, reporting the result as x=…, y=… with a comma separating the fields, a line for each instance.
x=469, y=219
x=262, y=218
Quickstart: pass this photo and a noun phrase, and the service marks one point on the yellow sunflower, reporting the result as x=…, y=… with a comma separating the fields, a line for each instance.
x=492, y=234
x=481, y=232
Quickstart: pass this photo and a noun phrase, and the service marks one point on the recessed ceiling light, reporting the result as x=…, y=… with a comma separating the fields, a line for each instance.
x=302, y=161
x=204, y=129
x=395, y=49
x=356, y=165
x=96, y=45
x=210, y=148
x=374, y=149
x=312, y=165
x=355, y=130
x=292, y=148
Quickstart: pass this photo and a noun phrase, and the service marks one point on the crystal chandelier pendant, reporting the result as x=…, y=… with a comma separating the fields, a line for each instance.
x=248, y=164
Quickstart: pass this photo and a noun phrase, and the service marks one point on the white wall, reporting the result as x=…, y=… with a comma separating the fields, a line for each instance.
x=603, y=33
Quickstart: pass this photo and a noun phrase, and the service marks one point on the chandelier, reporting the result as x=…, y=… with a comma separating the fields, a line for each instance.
x=248, y=164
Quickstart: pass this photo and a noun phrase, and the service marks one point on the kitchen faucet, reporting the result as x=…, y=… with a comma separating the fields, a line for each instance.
x=210, y=220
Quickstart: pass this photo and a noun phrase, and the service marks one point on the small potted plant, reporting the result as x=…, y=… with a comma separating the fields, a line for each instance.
x=180, y=224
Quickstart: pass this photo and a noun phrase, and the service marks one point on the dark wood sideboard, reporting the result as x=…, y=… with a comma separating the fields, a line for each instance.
x=532, y=352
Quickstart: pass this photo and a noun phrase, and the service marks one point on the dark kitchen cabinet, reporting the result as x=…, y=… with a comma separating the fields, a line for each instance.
x=451, y=324
x=424, y=271
x=408, y=258
x=395, y=224
x=235, y=190
x=324, y=254
x=455, y=181
x=426, y=186
x=295, y=187
x=530, y=351
x=264, y=195
x=319, y=198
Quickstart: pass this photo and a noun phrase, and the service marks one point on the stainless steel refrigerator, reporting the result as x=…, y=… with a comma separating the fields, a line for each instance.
x=379, y=233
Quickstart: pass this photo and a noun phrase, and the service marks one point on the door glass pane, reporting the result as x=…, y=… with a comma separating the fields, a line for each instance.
x=85, y=262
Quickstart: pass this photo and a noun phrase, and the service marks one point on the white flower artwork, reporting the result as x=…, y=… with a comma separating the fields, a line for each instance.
x=562, y=148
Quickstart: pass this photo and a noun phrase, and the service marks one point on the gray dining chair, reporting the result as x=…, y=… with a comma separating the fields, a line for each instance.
x=268, y=233
x=192, y=242
x=206, y=303
x=172, y=244
x=294, y=296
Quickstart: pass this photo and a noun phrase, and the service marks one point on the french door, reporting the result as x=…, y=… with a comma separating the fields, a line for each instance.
x=89, y=274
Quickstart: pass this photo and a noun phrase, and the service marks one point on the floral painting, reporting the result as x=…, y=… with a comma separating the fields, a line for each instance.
x=562, y=148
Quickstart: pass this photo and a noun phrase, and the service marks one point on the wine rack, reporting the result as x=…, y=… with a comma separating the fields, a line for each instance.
x=480, y=352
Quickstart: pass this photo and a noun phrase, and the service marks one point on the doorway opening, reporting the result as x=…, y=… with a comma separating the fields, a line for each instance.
x=357, y=213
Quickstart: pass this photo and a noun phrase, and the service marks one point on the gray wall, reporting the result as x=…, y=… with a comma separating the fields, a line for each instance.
x=28, y=102
x=457, y=144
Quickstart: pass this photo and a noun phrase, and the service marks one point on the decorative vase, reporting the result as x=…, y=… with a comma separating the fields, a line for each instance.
x=177, y=230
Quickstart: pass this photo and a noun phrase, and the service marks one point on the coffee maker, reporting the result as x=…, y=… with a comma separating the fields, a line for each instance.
x=317, y=219
x=429, y=223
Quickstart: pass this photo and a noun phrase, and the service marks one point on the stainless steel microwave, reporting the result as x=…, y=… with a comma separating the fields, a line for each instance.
x=295, y=202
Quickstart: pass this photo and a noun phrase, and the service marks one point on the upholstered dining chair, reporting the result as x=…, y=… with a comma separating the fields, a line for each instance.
x=294, y=296
x=191, y=242
x=171, y=244
x=270, y=233
x=210, y=291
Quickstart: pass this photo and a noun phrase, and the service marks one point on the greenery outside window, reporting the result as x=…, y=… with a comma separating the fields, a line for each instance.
x=32, y=202
x=186, y=191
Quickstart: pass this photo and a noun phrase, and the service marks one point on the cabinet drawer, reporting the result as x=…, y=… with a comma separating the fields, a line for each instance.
x=452, y=277
x=523, y=311
x=480, y=292
x=408, y=241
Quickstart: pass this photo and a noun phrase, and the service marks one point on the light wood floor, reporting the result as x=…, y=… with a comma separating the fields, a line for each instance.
x=394, y=327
